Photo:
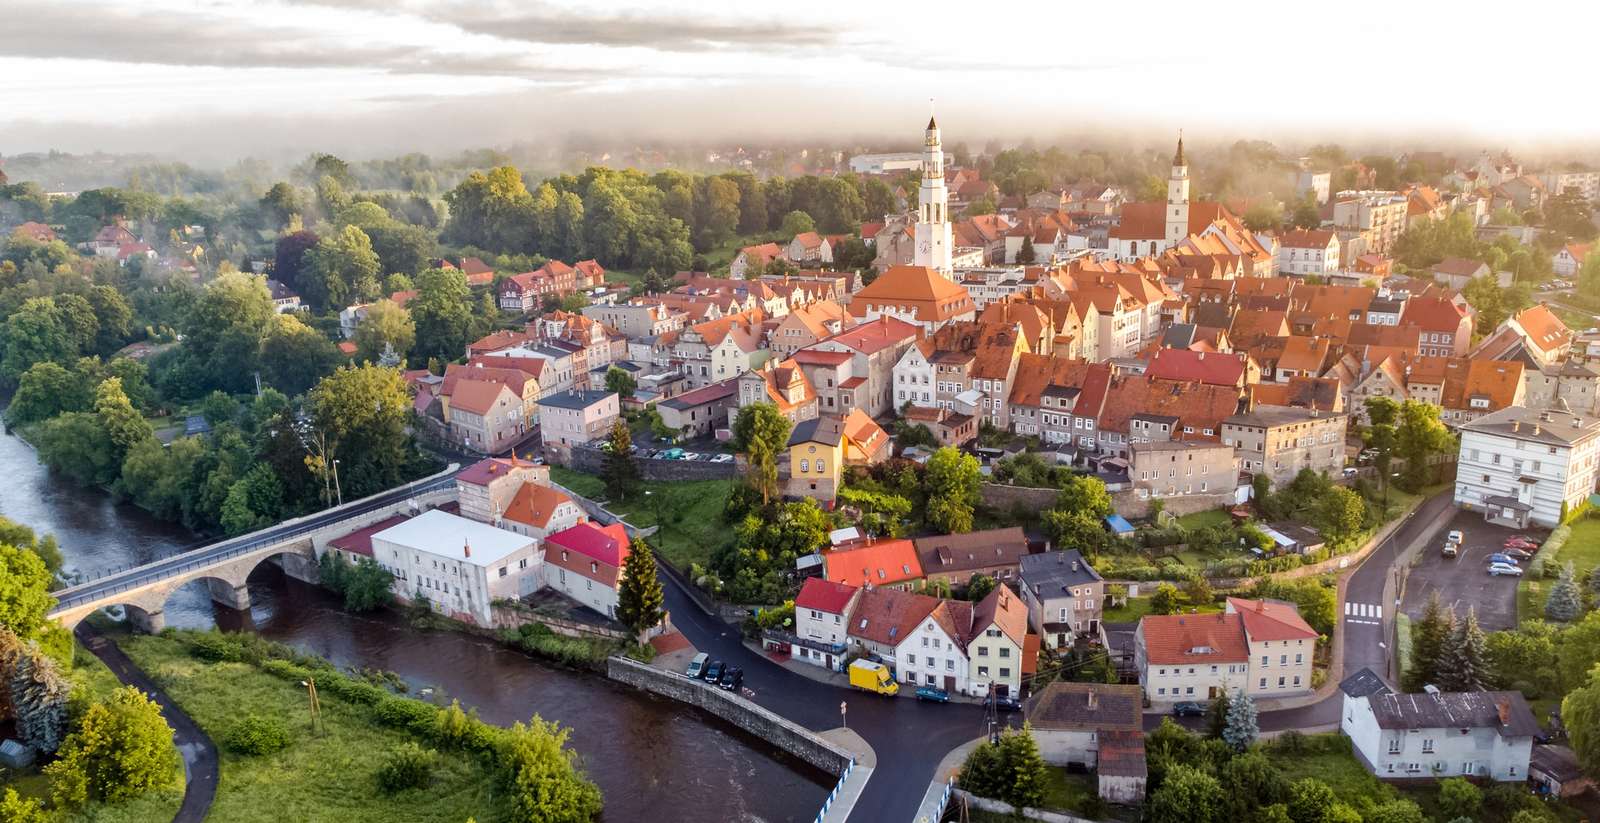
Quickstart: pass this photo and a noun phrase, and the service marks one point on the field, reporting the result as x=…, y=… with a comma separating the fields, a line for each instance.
x=1205, y=519
x=1582, y=548
x=319, y=777
x=1138, y=607
x=690, y=512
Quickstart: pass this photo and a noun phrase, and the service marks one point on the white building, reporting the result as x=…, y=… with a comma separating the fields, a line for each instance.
x=934, y=243
x=457, y=566
x=1437, y=734
x=914, y=377
x=821, y=614
x=1261, y=646
x=891, y=162
x=1520, y=465
x=585, y=563
x=1306, y=252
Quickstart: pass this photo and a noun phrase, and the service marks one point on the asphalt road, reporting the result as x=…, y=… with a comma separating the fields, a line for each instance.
x=123, y=580
x=1463, y=580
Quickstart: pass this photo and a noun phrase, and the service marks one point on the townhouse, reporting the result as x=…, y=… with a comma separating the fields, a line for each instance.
x=1262, y=647
x=1309, y=252
x=821, y=447
x=915, y=294
x=1064, y=596
x=1523, y=466
x=575, y=418
x=955, y=558
x=1280, y=441
x=855, y=368
x=1178, y=468
x=806, y=325
x=821, y=632
x=1483, y=734
x=585, y=563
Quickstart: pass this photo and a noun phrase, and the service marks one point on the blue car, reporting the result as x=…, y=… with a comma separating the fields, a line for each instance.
x=935, y=695
x=1502, y=558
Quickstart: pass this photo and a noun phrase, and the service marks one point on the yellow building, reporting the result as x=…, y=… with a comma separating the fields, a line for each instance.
x=819, y=448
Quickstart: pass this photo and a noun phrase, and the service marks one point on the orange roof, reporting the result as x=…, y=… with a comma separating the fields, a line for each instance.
x=864, y=431
x=875, y=335
x=478, y=396
x=934, y=298
x=1194, y=638
x=888, y=616
x=1004, y=610
x=534, y=504
x=883, y=563
x=1307, y=239
x=1543, y=328
x=1271, y=620
x=1304, y=354
x=1497, y=381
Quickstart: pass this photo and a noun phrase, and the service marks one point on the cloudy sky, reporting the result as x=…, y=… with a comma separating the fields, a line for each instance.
x=378, y=76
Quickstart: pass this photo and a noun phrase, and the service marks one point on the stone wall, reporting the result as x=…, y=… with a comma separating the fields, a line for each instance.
x=1003, y=808
x=1126, y=503
x=592, y=461
x=790, y=737
x=1001, y=496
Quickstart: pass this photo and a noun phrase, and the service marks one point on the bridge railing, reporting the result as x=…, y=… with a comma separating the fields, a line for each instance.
x=230, y=548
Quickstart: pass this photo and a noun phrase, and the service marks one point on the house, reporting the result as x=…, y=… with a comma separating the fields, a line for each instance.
x=855, y=368
x=1437, y=734
x=1446, y=326
x=878, y=564
x=949, y=427
x=883, y=619
x=1210, y=368
x=1521, y=466
x=1094, y=725
x=997, y=644
x=1263, y=647
x=458, y=567
x=37, y=232
x=1555, y=772
x=1309, y=252
x=821, y=614
x=1279, y=441
x=806, y=325
x=754, y=260
x=487, y=416
x=915, y=294
x=955, y=558
x=1457, y=272
x=699, y=412
x=819, y=448
x=540, y=510
x=1177, y=468
x=809, y=249
x=1569, y=259
x=1535, y=335
x=484, y=489
x=574, y=418
x=1064, y=596
x=584, y=562
x=284, y=299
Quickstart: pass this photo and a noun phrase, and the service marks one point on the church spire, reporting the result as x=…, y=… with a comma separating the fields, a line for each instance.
x=1177, y=159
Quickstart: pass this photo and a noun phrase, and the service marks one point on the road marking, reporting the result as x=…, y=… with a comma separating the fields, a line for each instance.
x=1367, y=613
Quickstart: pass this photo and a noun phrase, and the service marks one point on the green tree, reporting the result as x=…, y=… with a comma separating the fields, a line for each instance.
x=1580, y=714
x=1241, y=730
x=1565, y=603
x=113, y=319
x=1419, y=435
x=48, y=389
x=761, y=434
x=1395, y=811
x=1459, y=798
x=281, y=203
x=1254, y=783
x=620, y=382
x=364, y=411
x=34, y=333
x=294, y=356
x=121, y=749
x=254, y=502
x=1188, y=795
x=367, y=586
x=796, y=222
x=123, y=424
x=387, y=326
x=620, y=471
x=38, y=697
x=1217, y=715
x=1428, y=636
x=951, y=484
x=1461, y=662
x=441, y=314
x=639, y=595
x=1026, y=774
x=1341, y=512
x=341, y=268
x=1166, y=599
x=542, y=776
x=1579, y=651
x=1523, y=659
x=15, y=809
x=76, y=444
x=1310, y=801
x=979, y=586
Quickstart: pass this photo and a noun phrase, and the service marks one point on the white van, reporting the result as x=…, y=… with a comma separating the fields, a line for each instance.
x=697, y=666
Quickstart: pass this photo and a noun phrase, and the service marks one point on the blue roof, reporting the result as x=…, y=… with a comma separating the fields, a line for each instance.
x=1119, y=524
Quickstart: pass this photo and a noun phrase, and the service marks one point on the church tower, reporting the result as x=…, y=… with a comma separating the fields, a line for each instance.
x=1178, y=198
x=934, y=243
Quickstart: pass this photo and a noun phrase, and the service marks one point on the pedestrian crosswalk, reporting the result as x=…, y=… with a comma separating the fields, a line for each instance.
x=1369, y=613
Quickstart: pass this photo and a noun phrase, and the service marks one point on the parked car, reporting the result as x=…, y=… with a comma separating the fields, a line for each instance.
x=688, y=456
x=935, y=695
x=1497, y=569
x=1522, y=542
x=1007, y=704
x=1507, y=559
x=722, y=458
x=1449, y=550
x=1188, y=708
x=1517, y=554
x=731, y=679
x=1351, y=471
x=697, y=666
x=1455, y=536
x=713, y=671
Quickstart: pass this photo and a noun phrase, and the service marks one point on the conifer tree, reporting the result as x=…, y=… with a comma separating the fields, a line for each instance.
x=1428, y=637
x=639, y=596
x=39, y=697
x=1241, y=730
x=1462, y=667
x=1565, y=603
x=620, y=472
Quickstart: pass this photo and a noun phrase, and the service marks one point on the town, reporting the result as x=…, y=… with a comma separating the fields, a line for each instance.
x=977, y=484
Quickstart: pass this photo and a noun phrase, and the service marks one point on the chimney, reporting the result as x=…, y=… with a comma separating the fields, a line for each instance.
x=1074, y=565
x=1261, y=606
x=1093, y=700
x=1504, y=708
x=1536, y=430
x=466, y=548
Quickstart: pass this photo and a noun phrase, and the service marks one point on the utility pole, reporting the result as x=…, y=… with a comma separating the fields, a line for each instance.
x=991, y=715
x=336, y=481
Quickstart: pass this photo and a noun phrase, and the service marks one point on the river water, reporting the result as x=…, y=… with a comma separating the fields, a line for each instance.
x=655, y=760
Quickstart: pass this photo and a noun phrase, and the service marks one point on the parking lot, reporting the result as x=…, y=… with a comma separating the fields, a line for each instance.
x=1464, y=580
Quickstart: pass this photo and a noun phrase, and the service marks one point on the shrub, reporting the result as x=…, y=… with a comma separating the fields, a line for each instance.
x=285, y=670
x=121, y=749
x=257, y=735
x=408, y=766
x=355, y=691
x=405, y=713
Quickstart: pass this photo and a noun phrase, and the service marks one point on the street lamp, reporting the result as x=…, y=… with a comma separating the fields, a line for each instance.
x=336, y=482
x=316, y=705
x=842, y=708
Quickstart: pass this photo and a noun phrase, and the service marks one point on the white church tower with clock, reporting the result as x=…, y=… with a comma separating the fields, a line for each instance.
x=934, y=244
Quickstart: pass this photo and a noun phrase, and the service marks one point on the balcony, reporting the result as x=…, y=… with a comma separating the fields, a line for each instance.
x=781, y=636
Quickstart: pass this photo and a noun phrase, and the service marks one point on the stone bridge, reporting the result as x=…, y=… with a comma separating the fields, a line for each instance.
x=226, y=565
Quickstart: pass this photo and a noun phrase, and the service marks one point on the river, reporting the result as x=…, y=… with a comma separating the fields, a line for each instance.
x=653, y=759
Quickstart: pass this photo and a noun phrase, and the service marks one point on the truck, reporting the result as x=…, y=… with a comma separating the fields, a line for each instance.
x=873, y=677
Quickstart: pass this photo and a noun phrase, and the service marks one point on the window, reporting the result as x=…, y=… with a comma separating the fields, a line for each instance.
x=502, y=571
x=1427, y=746
x=911, y=660
x=1005, y=651
x=983, y=671
x=983, y=651
x=1004, y=672
x=1263, y=682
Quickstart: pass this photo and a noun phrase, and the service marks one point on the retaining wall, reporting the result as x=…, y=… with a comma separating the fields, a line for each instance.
x=1126, y=503
x=1004, y=808
x=790, y=737
x=592, y=461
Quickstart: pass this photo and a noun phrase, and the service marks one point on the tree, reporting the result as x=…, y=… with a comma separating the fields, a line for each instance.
x=796, y=222
x=1580, y=714
x=1026, y=773
x=1310, y=801
x=367, y=586
x=639, y=595
x=761, y=433
x=620, y=471
x=1217, y=716
x=121, y=749
x=1197, y=591
x=254, y=502
x=1241, y=730
x=113, y=319
x=1395, y=811
x=951, y=482
x=1579, y=651
x=621, y=382
x=47, y=389
x=339, y=268
x=1461, y=661
x=15, y=809
x=543, y=777
x=1459, y=798
x=1565, y=603
x=294, y=356
x=34, y=333
x=387, y=327
x=1428, y=637
x=979, y=586
x=289, y=259
x=123, y=425
x=77, y=445
x=441, y=314
x=1419, y=435
x=282, y=202
x=364, y=411
x=1523, y=659
x=1254, y=785
x=1341, y=512
x=1165, y=600
x=38, y=696
x=1188, y=795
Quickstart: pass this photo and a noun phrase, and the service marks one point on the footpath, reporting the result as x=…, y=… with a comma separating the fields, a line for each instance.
x=200, y=768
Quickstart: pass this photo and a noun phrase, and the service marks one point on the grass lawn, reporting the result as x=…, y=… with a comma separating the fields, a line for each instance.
x=1138, y=607
x=691, y=512
x=1339, y=769
x=1200, y=520
x=317, y=778
x=1582, y=548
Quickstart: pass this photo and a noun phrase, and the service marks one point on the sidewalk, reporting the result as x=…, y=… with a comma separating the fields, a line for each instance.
x=839, y=679
x=850, y=789
x=947, y=769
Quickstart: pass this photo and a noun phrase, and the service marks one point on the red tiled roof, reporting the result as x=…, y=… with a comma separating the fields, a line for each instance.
x=875, y=335
x=360, y=540
x=1433, y=314
x=815, y=357
x=879, y=564
x=489, y=469
x=607, y=544
x=1194, y=638
x=534, y=504
x=1271, y=620
x=824, y=595
x=1212, y=369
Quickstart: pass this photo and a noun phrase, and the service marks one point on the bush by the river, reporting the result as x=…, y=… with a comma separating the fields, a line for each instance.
x=257, y=735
